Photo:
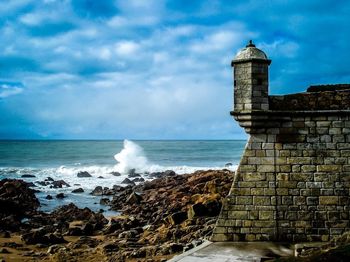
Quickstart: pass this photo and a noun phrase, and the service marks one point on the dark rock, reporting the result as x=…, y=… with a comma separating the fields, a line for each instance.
x=84, y=174
x=177, y=218
x=110, y=247
x=49, y=197
x=169, y=173
x=4, y=251
x=5, y=234
x=88, y=229
x=128, y=182
x=17, y=201
x=104, y=201
x=133, y=198
x=42, y=183
x=60, y=195
x=213, y=207
x=114, y=173
x=98, y=191
x=59, y=184
x=197, y=210
x=78, y=190
x=27, y=176
x=49, y=179
x=228, y=164
x=101, y=177
x=41, y=236
x=138, y=179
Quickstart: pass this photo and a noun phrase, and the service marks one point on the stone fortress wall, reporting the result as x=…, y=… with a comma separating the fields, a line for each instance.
x=293, y=180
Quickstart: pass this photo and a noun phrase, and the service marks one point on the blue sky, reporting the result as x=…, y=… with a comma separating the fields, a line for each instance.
x=112, y=69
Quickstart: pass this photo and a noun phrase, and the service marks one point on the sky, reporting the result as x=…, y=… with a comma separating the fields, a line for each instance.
x=155, y=69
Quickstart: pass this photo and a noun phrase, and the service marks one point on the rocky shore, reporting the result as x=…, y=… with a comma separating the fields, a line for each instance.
x=158, y=218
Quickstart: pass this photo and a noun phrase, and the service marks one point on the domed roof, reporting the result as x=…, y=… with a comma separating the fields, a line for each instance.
x=250, y=52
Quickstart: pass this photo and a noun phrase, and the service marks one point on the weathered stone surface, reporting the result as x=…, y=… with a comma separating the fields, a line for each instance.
x=295, y=170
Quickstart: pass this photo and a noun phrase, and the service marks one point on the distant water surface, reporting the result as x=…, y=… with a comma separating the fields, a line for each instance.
x=64, y=159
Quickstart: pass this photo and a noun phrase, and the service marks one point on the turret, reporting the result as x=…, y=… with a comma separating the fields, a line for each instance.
x=251, y=79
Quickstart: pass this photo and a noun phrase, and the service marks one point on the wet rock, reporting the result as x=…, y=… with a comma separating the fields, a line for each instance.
x=228, y=164
x=60, y=195
x=169, y=173
x=104, y=201
x=138, y=179
x=128, y=182
x=49, y=197
x=27, y=176
x=78, y=190
x=114, y=173
x=84, y=174
x=101, y=177
x=59, y=184
x=49, y=179
x=98, y=191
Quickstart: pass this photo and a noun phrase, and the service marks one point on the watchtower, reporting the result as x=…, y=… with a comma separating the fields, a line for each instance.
x=251, y=79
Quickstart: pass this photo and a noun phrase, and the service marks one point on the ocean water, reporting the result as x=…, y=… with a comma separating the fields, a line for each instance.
x=64, y=159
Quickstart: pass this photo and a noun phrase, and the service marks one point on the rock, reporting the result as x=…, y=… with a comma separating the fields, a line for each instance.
x=104, y=201
x=41, y=236
x=5, y=234
x=49, y=197
x=197, y=210
x=228, y=164
x=177, y=218
x=84, y=174
x=114, y=173
x=54, y=249
x=17, y=200
x=98, y=191
x=78, y=190
x=49, y=179
x=110, y=247
x=60, y=196
x=213, y=207
x=27, y=176
x=169, y=173
x=4, y=251
x=59, y=184
x=133, y=198
x=128, y=182
x=138, y=179
x=101, y=177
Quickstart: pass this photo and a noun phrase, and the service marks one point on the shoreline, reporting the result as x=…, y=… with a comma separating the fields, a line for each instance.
x=158, y=219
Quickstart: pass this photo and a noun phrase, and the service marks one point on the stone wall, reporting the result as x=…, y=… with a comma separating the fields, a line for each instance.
x=293, y=180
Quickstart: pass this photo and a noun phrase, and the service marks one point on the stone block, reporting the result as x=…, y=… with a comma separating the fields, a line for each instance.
x=329, y=200
x=265, y=168
x=261, y=200
x=266, y=215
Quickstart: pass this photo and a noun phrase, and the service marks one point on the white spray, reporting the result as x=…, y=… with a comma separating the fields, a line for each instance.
x=131, y=157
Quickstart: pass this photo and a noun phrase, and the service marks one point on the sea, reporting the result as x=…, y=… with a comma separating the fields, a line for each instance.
x=64, y=159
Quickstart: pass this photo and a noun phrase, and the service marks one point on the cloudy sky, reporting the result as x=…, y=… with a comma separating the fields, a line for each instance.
x=149, y=69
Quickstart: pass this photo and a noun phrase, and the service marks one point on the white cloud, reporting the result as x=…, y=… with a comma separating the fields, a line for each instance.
x=126, y=48
x=9, y=90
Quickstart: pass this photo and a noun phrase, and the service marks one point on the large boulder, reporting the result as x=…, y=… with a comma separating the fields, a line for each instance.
x=84, y=174
x=17, y=201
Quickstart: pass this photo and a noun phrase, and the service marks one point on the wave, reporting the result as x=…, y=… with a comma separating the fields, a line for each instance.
x=132, y=156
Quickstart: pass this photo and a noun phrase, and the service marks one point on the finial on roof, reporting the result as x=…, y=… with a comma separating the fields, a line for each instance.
x=250, y=44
